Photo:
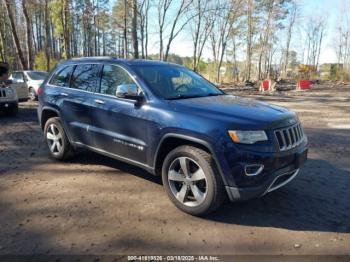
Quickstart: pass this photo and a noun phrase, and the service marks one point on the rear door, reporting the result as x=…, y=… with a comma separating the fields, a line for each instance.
x=119, y=125
x=19, y=84
x=76, y=109
x=57, y=90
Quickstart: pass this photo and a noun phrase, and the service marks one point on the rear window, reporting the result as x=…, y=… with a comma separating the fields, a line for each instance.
x=61, y=78
x=37, y=75
x=17, y=77
x=86, y=77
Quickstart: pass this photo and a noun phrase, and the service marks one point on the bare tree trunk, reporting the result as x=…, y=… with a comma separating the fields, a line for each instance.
x=220, y=61
x=163, y=6
x=125, y=29
x=235, y=60
x=142, y=29
x=103, y=43
x=3, y=40
x=203, y=25
x=265, y=36
x=28, y=36
x=249, y=39
x=196, y=35
x=146, y=28
x=289, y=36
x=47, y=35
x=14, y=34
x=319, y=48
x=2, y=47
x=66, y=33
x=134, y=31
x=183, y=8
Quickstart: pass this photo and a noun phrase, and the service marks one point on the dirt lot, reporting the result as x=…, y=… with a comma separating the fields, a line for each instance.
x=96, y=205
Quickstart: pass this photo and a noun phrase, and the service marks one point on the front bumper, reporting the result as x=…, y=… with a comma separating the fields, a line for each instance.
x=272, y=181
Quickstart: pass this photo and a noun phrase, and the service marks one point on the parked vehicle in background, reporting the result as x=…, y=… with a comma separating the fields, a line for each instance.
x=27, y=83
x=205, y=144
x=8, y=96
x=8, y=99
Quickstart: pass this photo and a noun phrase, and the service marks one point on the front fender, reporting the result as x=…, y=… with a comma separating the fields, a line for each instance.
x=199, y=139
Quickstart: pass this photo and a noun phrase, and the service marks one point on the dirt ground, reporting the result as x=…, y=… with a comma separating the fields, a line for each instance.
x=96, y=205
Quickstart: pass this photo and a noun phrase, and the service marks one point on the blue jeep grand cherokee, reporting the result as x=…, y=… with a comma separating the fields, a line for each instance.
x=205, y=144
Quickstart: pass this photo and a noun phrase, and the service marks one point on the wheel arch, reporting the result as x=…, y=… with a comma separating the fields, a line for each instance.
x=46, y=114
x=171, y=141
x=49, y=112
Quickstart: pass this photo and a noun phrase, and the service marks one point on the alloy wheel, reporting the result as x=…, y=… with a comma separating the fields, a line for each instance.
x=54, y=139
x=187, y=181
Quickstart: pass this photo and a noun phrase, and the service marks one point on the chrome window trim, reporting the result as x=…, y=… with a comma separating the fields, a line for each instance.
x=98, y=93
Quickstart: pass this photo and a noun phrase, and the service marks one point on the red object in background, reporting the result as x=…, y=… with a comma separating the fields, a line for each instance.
x=265, y=85
x=39, y=91
x=303, y=84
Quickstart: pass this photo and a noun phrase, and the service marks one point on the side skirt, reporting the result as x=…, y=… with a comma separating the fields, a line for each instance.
x=117, y=157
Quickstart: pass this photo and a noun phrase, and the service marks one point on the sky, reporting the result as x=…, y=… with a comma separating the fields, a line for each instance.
x=331, y=9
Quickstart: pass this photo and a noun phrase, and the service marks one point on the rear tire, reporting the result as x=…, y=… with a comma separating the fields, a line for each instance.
x=198, y=190
x=56, y=139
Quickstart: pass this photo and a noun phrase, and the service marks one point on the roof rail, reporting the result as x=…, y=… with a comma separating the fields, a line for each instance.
x=93, y=57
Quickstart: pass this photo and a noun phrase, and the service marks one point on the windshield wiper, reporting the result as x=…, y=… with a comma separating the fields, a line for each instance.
x=193, y=96
x=214, y=94
x=181, y=97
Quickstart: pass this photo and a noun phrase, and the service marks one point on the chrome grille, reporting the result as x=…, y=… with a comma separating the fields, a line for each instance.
x=2, y=92
x=289, y=137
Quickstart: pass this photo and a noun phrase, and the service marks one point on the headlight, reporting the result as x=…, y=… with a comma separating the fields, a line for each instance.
x=247, y=137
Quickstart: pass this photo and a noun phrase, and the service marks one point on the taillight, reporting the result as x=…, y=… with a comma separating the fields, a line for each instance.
x=39, y=91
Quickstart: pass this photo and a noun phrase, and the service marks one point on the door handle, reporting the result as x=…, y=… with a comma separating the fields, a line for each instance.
x=98, y=101
x=63, y=94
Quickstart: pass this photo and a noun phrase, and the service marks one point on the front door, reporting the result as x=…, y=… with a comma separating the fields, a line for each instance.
x=119, y=126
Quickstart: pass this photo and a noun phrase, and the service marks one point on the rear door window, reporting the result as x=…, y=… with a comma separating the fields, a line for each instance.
x=62, y=77
x=86, y=77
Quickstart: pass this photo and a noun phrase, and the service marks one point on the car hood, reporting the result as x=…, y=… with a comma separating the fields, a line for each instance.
x=237, y=110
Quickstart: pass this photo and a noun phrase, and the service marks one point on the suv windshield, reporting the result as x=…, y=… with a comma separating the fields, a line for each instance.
x=37, y=75
x=175, y=82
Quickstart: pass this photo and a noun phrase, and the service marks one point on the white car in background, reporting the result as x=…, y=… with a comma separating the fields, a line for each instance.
x=27, y=83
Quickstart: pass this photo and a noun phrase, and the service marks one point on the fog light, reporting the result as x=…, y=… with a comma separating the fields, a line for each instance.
x=253, y=170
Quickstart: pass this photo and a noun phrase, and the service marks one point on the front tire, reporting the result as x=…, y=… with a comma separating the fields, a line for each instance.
x=191, y=180
x=56, y=139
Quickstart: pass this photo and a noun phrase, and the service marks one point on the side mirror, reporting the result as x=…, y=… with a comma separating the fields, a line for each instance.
x=8, y=82
x=128, y=91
